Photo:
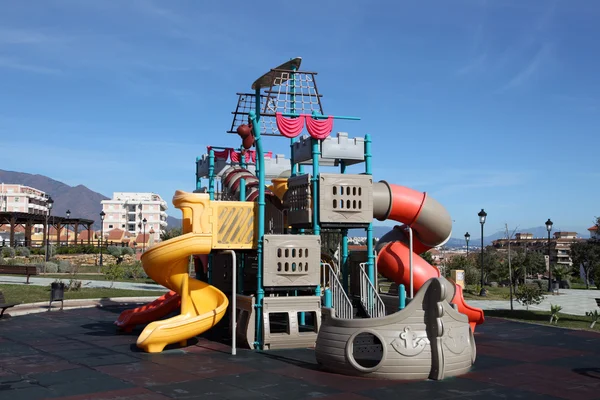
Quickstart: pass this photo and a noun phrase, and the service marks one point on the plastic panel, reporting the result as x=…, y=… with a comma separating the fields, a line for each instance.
x=345, y=199
x=297, y=200
x=292, y=338
x=292, y=260
x=246, y=321
x=333, y=149
x=274, y=166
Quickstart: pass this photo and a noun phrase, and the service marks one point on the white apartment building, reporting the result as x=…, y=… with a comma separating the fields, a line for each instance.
x=126, y=211
x=20, y=198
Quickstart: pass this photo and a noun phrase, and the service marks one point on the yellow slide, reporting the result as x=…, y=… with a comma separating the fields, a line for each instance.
x=206, y=225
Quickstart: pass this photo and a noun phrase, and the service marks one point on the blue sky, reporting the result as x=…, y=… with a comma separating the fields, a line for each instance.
x=483, y=104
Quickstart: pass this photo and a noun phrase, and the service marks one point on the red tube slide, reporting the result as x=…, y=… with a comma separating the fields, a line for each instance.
x=150, y=312
x=431, y=226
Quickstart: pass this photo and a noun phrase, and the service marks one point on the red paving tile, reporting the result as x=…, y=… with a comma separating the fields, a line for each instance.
x=124, y=394
x=585, y=334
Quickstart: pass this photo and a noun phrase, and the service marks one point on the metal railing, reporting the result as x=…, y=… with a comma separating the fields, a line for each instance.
x=369, y=298
x=339, y=299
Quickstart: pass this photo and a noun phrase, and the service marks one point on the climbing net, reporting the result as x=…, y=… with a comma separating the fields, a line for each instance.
x=246, y=103
x=289, y=92
x=296, y=92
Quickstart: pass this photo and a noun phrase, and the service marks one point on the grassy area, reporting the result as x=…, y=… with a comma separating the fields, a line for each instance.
x=493, y=293
x=543, y=317
x=93, y=277
x=33, y=294
x=581, y=286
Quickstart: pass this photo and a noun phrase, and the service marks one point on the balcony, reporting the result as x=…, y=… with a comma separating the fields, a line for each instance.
x=163, y=223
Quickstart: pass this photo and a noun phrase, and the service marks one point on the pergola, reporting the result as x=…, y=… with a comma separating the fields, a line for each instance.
x=27, y=221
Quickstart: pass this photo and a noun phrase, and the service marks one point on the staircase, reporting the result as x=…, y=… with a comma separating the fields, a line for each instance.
x=369, y=298
x=339, y=299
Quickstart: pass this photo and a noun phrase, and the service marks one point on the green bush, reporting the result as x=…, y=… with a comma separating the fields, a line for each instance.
x=74, y=285
x=50, y=267
x=134, y=271
x=64, y=266
x=529, y=295
x=114, y=251
x=554, y=310
x=472, y=275
x=127, y=251
x=8, y=252
x=113, y=273
x=78, y=249
x=23, y=251
x=594, y=315
x=539, y=282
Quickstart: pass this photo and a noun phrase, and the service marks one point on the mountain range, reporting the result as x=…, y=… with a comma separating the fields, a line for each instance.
x=80, y=200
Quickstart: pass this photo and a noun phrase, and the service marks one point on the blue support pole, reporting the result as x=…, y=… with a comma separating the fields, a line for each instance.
x=242, y=180
x=255, y=118
x=401, y=297
x=316, y=152
x=240, y=280
x=293, y=108
x=211, y=194
x=327, y=298
x=371, y=257
x=198, y=179
x=211, y=174
x=345, y=272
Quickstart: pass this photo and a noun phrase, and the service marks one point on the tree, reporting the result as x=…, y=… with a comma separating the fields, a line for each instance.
x=559, y=272
x=427, y=257
x=587, y=255
x=493, y=270
x=170, y=234
x=529, y=295
x=534, y=263
x=472, y=273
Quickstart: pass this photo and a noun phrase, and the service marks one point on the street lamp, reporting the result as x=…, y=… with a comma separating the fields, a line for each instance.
x=144, y=235
x=467, y=238
x=549, y=229
x=482, y=215
x=102, y=214
x=49, y=204
x=68, y=216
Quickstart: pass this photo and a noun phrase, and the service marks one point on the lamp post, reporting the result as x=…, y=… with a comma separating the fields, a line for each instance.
x=482, y=215
x=467, y=238
x=68, y=216
x=549, y=229
x=49, y=204
x=144, y=235
x=102, y=214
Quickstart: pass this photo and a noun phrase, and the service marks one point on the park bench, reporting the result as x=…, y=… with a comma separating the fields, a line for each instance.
x=19, y=270
x=4, y=305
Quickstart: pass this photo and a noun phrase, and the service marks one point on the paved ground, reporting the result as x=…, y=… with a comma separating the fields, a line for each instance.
x=84, y=282
x=77, y=355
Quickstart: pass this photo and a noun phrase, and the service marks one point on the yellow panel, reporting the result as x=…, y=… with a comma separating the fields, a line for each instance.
x=234, y=225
